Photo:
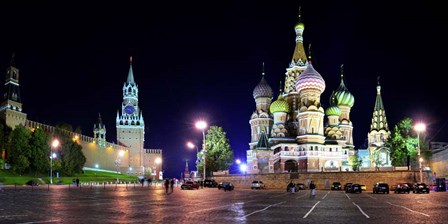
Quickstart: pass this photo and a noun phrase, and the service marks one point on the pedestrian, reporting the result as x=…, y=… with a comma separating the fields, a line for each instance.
x=167, y=185
x=312, y=190
x=172, y=185
x=77, y=182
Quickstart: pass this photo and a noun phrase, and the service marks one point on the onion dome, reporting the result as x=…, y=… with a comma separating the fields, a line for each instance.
x=333, y=110
x=280, y=105
x=344, y=97
x=310, y=79
x=262, y=89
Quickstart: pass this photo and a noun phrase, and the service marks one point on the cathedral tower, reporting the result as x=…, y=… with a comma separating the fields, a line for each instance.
x=279, y=109
x=310, y=86
x=260, y=120
x=11, y=104
x=379, y=133
x=296, y=66
x=345, y=102
x=130, y=124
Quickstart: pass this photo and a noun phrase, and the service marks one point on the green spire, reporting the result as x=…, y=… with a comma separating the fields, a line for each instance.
x=379, y=120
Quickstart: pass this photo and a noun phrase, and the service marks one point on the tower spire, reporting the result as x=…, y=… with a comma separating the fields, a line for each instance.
x=379, y=120
x=299, y=56
x=130, y=74
x=309, y=53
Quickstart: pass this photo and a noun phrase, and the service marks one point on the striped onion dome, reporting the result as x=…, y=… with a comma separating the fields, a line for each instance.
x=280, y=105
x=262, y=89
x=344, y=97
x=310, y=79
x=333, y=111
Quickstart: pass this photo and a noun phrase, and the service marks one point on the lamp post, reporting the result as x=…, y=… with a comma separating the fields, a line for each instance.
x=419, y=128
x=54, y=144
x=157, y=162
x=191, y=145
x=202, y=125
x=118, y=160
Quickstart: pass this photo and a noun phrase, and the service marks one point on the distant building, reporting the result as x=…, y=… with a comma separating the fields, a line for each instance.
x=439, y=159
x=128, y=156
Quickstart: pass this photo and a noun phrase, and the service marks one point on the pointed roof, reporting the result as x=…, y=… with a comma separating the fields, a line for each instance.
x=299, y=56
x=379, y=120
x=99, y=122
x=12, y=62
x=130, y=74
x=263, y=142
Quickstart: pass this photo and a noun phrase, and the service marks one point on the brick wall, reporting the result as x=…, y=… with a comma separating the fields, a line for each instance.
x=323, y=180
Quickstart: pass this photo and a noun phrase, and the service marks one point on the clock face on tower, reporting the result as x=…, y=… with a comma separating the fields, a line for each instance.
x=129, y=109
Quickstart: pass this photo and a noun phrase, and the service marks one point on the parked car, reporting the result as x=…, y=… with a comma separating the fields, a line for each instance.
x=347, y=186
x=336, y=186
x=189, y=185
x=402, y=188
x=354, y=188
x=420, y=188
x=210, y=183
x=381, y=188
x=227, y=186
x=300, y=186
x=257, y=184
x=363, y=187
x=32, y=183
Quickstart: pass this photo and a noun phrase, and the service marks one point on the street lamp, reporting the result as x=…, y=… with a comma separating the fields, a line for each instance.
x=419, y=128
x=201, y=125
x=157, y=162
x=118, y=160
x=54, y=144
x=191, y=145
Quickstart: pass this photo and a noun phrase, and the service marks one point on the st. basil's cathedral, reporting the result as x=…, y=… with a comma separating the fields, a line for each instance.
x=291, y=134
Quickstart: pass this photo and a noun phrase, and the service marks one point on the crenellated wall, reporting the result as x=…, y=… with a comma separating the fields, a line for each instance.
x=104, y=157
x=323, y=180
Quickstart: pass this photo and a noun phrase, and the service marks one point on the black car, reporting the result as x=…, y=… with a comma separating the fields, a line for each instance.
x=32, y=183
x=420, y=188
x=210, y=183
x=381, y=188
x=227, y=186
x=354, y=188
x=347, y=186
x=336, y=186
x=402, y=188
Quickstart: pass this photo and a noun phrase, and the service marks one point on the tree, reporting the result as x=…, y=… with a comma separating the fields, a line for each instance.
x=219, y=155
x=72, y=158
x=19, y=150
x=402, y=143
x=355, y=162
x=377, y=159
x=40, y=157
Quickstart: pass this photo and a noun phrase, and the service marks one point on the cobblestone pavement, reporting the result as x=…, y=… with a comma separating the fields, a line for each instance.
x=137, y=204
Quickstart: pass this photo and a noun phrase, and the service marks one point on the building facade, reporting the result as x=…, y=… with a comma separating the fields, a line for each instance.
x=291, y=134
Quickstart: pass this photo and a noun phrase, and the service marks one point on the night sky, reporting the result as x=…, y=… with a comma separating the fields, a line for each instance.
x=195, y=60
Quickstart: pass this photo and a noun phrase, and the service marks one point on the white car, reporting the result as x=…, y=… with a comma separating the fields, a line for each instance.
x=257, y=184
